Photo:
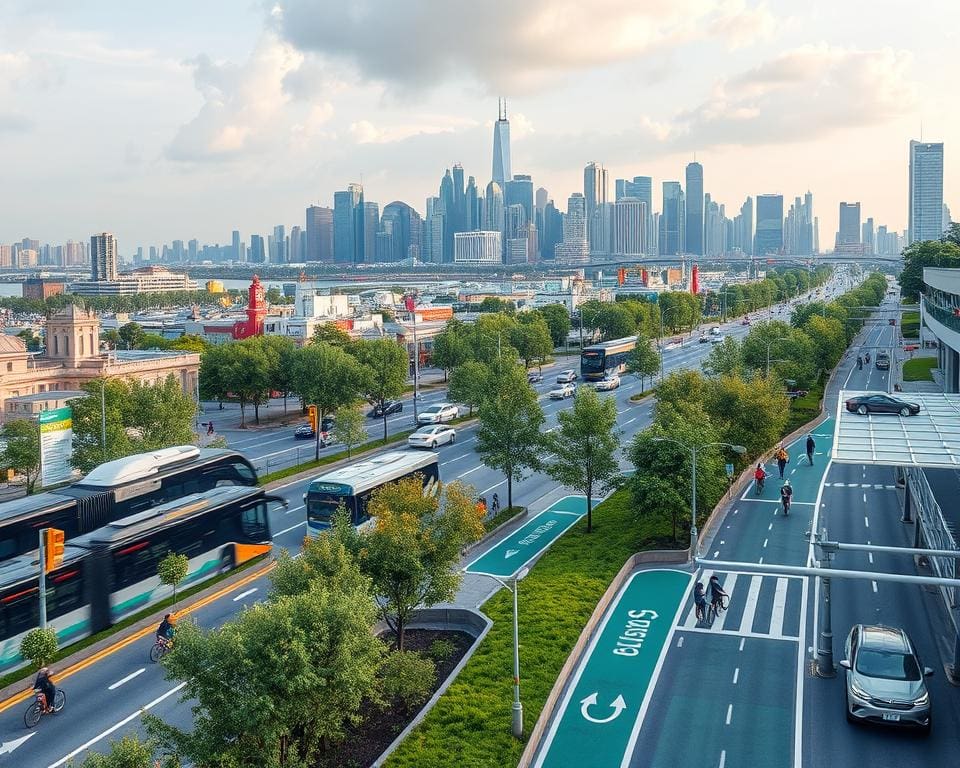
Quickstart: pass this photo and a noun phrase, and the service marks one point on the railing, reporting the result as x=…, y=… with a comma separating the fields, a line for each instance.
x=935, y=532
x=941, y=315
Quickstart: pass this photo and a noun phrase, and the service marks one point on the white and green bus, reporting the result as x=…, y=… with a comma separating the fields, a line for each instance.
x=352, y=485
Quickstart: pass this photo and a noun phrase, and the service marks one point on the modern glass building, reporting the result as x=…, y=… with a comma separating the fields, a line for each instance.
x=672, y=220
x=501, y=146
x=769, y=233
x=926, y=191
x=694, y=210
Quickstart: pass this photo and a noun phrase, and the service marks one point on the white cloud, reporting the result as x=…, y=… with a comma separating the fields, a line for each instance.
x=365, y=132
x=501, y=44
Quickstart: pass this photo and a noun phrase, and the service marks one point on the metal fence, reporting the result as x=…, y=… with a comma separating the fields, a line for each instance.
x=934, y=531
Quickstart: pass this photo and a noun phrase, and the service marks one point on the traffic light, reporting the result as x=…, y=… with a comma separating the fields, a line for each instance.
x=53, y=539
x=312, y=416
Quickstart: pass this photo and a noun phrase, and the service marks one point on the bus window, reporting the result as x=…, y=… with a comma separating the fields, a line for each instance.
x=65, y=594
x=8, y=548
x=254, y=522
x=21, y=611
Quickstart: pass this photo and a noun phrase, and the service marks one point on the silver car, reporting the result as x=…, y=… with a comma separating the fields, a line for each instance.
x=885, y=679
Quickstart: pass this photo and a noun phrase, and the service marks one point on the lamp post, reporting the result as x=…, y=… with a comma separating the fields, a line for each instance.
x=770, y=344
x=692, y=449
x=517, y=709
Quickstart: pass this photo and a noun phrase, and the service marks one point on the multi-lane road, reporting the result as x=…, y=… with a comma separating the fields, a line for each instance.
x=105, y=697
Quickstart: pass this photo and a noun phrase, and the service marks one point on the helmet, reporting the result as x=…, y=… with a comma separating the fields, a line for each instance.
x=786, y=482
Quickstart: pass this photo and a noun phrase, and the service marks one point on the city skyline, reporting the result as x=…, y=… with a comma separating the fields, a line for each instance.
x=246, y=118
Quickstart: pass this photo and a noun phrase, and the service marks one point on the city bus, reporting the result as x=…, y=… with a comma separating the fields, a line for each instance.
x=597, y=360
x=352, y=485
x=117, y=489
x=110, y=573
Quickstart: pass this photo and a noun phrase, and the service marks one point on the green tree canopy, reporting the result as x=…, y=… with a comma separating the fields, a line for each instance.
x=451, y=347
x=644, y=361
x=332, y=334
x=558, y=321
x=925, y=253
x=384, y=368
x=327, y=377
x=725, y=359
x=131, y=335
x=350, y=428
x=531, y=339
x=21, y=453
x=468, y=383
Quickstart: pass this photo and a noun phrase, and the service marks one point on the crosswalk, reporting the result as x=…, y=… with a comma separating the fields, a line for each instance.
x=759, y=606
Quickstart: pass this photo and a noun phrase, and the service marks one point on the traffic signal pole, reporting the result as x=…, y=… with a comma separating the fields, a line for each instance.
x=43, y=580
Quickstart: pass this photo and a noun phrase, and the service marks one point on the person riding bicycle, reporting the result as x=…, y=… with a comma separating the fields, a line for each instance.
x=716, y=593
x=759, y=476
x=859, y=362
x=700, y=600
x=786, y=496
x=166, y=629
x=44, y=682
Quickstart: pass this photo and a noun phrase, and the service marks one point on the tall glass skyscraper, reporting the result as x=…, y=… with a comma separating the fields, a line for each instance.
x=926, y=191
x=694, y=228
x=769, y=237
x=348, y=225
x=501, y=146
x=672, y=220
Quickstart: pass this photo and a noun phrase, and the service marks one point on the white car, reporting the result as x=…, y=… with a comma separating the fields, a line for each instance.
x=567, y=376
x=607, y=383
x=432, y=436
x=436, y=414
x=563, y=391
x=716, y=339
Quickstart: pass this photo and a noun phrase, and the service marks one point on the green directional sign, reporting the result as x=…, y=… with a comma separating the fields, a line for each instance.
x=509, y=555
x=595, y=722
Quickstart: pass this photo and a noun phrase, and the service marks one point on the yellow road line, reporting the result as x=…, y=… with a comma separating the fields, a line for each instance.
x=109, y=650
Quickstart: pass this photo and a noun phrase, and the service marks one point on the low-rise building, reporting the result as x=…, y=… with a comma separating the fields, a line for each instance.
x=40, y=288
x=143, y=280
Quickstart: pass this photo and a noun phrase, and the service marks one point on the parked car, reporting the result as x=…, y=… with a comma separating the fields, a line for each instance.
x=608, y=382
x=883, y=361
x=563, y=391
x=389, y=406
x=432, y=436
x=865, y=404
x=534, y=377
x=565, y=377
x=435, y=414
x=885, y=681
x=326, y=424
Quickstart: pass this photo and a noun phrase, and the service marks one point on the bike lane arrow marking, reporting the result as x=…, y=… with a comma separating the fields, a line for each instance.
x=512, y=552
x=618, y=706
x=8, y=746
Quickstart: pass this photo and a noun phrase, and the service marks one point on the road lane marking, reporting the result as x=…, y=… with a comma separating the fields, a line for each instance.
x=112, y=728
x=629, y=421
x=779, y=606
x=729, y=586
x=126, y=679
x=866, y=521
x=457, y=458
x=469, y=471
x=729, y=713
x=244, y=594
x=736, y=675
x=874, y=585
x=287, y=530
x=750, y=610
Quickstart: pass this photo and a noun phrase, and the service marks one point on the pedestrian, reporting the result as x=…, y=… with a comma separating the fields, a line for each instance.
x=782, y=459
x=700, y=600
x=209, y=427
x=496, y=504
x=811, y=447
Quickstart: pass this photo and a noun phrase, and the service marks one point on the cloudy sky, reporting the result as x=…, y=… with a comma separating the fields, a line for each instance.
x=185, y=119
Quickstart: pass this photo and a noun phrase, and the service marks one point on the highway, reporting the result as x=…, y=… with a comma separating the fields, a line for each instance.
x=105, y=698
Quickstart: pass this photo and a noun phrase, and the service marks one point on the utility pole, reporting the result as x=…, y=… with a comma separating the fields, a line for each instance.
x=43, y=580
x=825, y=551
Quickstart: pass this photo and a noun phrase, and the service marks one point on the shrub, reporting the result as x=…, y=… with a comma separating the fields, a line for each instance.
x=39, y=645
x=407, y=679
x=441, y=650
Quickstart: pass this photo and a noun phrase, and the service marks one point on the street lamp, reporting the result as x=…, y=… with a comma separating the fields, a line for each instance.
x=693, y=478
x=517, y=720
x=770, y=344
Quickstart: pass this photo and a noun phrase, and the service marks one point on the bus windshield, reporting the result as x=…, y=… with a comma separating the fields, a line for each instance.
x=591, y=361
x=322, y=505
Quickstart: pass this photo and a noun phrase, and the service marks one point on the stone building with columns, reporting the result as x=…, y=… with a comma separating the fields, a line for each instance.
x=73, y=357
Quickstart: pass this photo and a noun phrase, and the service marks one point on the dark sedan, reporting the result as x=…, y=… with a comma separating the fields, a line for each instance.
x=303, y=432
x=881, y=404
x=389, y=406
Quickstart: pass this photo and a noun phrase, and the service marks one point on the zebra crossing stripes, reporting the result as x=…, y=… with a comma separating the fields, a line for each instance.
x=759, y=606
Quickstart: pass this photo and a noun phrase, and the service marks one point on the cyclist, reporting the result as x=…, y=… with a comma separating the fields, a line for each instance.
x=786, y=495
x=716, y=594
x=859, y=363
x=700, y=600
x=165, y=630
x=759, y=476
x=44, y=682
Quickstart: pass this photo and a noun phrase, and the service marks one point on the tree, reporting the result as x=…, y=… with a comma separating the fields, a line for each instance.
x=508, y=438
x=558, y=321
x=327, y=377
x=952, y=234
x=749, y=413
x=583, y=450
x=451, y=347
x=408, y=679
x=241, y=370
x=161, y=414
x=384, y=371
x=128, y=752
x=332, y=334
x=190, y=342
x=31, y=340
x=490, y=338
x=111, y=337
x=172, y=570
x=275, y=685
x=39, y=646
x=350, y=428
x=411, y=553
x=726, y=358
x=644, y=360
x=468, y=383
x=828, y=338
x=614, y=321
x=283, y=351
x=131, y=334
x=681, y=388
x=22, y=449
x=925, y=253
x=531, y=339
x=495, y=304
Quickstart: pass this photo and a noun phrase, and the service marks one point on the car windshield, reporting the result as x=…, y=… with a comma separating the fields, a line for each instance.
x=888, y=665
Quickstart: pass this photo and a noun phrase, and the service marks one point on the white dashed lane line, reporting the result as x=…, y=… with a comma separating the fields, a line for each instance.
x=126, y=679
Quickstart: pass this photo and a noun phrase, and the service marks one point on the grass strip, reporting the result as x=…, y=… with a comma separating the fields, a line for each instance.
x=68, y=650
x=806, y=408
x=919, y=369
x=910, y=325
x=501, y=517
x=470, y=724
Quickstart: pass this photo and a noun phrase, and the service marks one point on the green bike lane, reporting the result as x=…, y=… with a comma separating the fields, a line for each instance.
x=505, y=558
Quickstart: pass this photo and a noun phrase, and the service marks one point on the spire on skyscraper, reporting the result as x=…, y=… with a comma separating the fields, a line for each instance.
x=501, y=145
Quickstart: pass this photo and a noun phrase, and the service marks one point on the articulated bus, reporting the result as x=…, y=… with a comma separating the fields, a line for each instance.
x=353, y=484
x=111, y=573
x=118, y=489
x=597, y=360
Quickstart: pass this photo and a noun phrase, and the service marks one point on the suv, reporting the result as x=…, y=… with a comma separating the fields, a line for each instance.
x=567, y=376
x=883, y=361
x=436, y=414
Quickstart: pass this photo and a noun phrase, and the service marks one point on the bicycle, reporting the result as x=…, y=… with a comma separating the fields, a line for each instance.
x=786, y=505
x=701, y=609
x=716, y=608
x=160, y=649
x=38, y=708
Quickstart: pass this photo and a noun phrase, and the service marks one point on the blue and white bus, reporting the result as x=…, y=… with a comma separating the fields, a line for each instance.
x=352, y=485
x=110, y=574
x=597, y=360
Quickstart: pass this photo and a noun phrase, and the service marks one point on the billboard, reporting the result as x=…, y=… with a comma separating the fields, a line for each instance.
x=56, y=446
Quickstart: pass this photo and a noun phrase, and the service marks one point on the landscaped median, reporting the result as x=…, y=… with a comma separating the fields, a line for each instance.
x=470, y=724
x=919, y=369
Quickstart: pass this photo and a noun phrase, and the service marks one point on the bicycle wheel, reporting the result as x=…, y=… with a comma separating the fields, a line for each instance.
x=32, y=716
x=157, y=652
x=59, y=700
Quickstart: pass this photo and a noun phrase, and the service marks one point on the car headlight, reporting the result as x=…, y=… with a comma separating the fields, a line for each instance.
x=922, y=701
x=857, y=691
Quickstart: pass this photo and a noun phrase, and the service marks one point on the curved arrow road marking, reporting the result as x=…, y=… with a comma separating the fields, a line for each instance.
x=618, y=706
x=512, y=552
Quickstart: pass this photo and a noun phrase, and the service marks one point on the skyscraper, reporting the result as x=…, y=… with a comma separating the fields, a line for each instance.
x=540, y=198
x=257, y=253
x=594, y=188
x=694, y=211
x=279, y=254
x=501, y=146
x=519, y=191
x=103, y=257
x=629, y=231
x=848, y=232
x=371, y=225
x=493, y=208
x=575, y=248
x=867, y=237
x=236, y=249
x=295, y=254
x=743, y=227
x=406, y=226
x=769, y=235
x=459, y=200
x=319, y=234
x=448, y=202
x=347, y=225
x=672, y=219
x=473, y=209
x=926, y=191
